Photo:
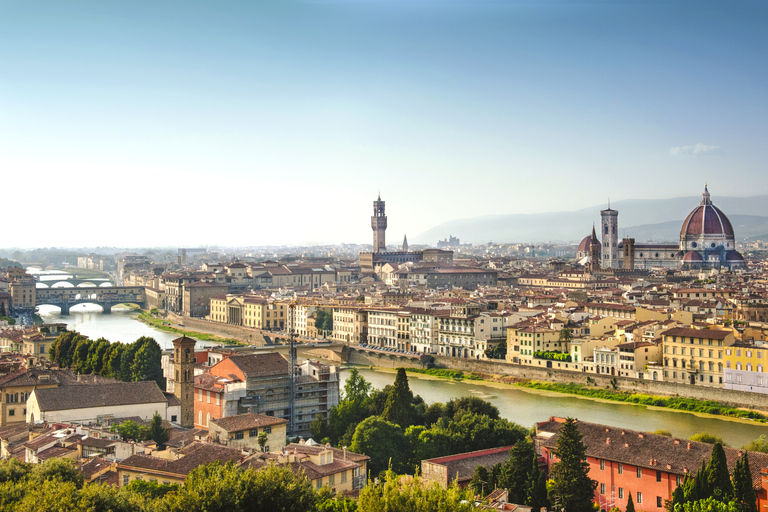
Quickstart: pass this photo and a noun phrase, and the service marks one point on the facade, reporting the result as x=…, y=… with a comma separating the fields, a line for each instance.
x=350, y=324
x=424, y=335
x=647, y=466
x=382, y=328
x=249, y=311
x=15, y=389
x=745, y=364
x=196, y=301
x=242, y=431
x=695, y=356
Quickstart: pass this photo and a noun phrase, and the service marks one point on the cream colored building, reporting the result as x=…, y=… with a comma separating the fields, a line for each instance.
x=242, y=431
x=350, y=324
x=383, y=328
x=249, y=311
x=695, y=356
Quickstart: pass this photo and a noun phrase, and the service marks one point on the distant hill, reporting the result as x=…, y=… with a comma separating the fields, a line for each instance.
x=652, y=219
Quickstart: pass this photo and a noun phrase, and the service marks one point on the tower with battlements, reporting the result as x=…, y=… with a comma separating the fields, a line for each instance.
x=379, y=226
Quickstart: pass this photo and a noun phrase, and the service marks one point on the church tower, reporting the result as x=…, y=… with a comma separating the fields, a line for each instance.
x=184, y=373
x=609, y=229
x=405, y=243
x=379, y=226
x=594, y=253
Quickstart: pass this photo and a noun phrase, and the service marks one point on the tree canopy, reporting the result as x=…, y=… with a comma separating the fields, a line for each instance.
x=571, y=488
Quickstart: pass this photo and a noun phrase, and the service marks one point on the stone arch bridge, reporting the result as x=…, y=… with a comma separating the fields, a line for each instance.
x=106, y=297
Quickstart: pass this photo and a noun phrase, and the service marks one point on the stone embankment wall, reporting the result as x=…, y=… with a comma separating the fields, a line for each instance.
x=736, y=398
x=355, y=356
x=244, y=334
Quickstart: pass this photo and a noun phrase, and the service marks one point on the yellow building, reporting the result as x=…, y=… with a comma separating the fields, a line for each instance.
x=249, y=311
x=745, y=367
x=15, y=389
x=523, y=341
x=695, y=356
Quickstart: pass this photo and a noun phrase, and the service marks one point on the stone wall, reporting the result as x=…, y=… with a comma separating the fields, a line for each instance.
x=244, y=334
x=726, y=396
x=357, y=356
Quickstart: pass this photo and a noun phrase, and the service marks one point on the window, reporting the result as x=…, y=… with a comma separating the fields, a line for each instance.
x=331, y=479
x=254, y=432
x=602, y=488
x=126, y=479
x=621, y=468
x=343, y=476
x=639, y=497
x=11, y=412
x=173, y=418
x=239, y=435
x=602, y=464
x=678, y=480
x=639, y=473
x=267, y=430
x=658, y=501
x=658, y=476
x=621, y=493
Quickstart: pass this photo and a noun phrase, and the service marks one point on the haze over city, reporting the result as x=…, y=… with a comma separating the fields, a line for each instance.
x=178, y=123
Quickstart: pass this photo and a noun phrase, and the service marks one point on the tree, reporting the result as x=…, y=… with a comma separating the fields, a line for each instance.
x=399, y=494
x=458, y=406
x=571, y=488
x=479, y=482
x=399, y=408
x=718, y=478
x=130, y=430
x=2, y=309
x=630, y=504
x=515, y=473
x=262, y=439
x=704, y=437
x=383, y=442
x=566, y=335
x=537, y=496
x=743, y=491
x=157, y=431
x=356, y=388
x=147, y=362
x=758, y=445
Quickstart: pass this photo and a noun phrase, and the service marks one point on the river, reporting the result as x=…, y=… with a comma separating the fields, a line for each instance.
x=522, y=406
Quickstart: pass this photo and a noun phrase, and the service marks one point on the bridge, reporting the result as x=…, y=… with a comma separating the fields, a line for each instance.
x=75, y=281
x=106, y=297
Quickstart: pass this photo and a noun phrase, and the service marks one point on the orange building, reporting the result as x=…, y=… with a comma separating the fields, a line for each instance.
x=647, y=466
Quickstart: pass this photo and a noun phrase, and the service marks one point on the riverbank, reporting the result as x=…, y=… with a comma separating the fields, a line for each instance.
x=708, y=407
x=160, y=324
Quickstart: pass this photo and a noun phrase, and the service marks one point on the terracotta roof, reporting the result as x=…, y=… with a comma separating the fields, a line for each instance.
x=710, y=334
x=662, y=453
x=93, y=466
x=261, y=365
x=98, y=395
x=247, y=421
x=462, y=466
x=194, y=456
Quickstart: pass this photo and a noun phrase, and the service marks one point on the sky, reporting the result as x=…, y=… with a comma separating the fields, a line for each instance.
x=240, y=123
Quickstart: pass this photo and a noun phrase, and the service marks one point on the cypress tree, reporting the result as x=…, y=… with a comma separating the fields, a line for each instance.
x=572, y=490
x=516, y=471
x=398, y=408
x=743, y=492
x=537, y=494
x=479, y=482
x=718, y=478
x=630, y=504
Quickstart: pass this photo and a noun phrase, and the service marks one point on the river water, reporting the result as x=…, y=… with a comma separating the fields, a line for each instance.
x=520, y=405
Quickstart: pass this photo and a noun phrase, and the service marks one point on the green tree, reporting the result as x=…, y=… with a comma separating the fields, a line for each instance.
x=114, y=360
x=383, y=442
x=537, y=496
x=630, y=504
x=758, y=445
x=743, y=490
x=151, y=488
x=571, y=489
x=356, y=388
x=130, y=430
x=479, y=482
x=515, y=473
x=147, y=362
x=12, y=470
x=399, y=408
x=458, y=406
x=663, y=432
x=2, y=309
x=566, y=335
x=718, y=478
x=157, y=431
x=397, y=494
x=706, y=505
x=704, y=437
x=262, y=440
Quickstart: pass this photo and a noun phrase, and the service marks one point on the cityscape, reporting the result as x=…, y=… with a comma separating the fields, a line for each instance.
x=384, y=256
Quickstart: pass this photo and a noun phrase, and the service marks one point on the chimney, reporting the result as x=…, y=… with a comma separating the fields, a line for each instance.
x=689, y=446
x=641, y=435
x=607, y=440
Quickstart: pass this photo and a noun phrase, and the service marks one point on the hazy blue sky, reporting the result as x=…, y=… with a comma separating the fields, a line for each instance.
x=257, y=122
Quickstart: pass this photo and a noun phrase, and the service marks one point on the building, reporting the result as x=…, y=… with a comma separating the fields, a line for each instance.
x=695, y=356
x=609, y=229
x=350, y=324
x=184, y=378
x=196, y=301
x=249, y=311
x=647, y=466
x=460, y=468
x=15, y=389
x=260, y=383
x=745, y=364
x=242, y=431
x=379, y=226
x=89, y=403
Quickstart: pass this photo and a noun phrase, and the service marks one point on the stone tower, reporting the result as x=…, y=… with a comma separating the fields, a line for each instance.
x=629, y=253
x=405, y=243
x=594, y=253
x=609, y=234
x=379, y=226
x=184, y=373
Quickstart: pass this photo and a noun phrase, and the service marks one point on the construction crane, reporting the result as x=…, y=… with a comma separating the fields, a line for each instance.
x=292, y=360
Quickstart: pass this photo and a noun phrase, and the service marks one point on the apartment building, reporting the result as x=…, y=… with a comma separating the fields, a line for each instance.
x=695, y=356
x=350, y=324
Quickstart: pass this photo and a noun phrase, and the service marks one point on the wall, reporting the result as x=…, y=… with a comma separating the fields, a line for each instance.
x=356, y=356
x=726, y=396
x=244, y=334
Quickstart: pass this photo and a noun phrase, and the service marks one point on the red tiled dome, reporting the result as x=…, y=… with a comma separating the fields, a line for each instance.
x=692, y=256
x=584, y=245
x=734, y=256
x=706, y=219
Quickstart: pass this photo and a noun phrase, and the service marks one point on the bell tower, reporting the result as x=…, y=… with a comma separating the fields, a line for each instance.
x=609, y=234
x=184, y=374
x=379, y=226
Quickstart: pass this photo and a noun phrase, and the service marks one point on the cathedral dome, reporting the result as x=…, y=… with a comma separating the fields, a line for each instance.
x=692, y=256
x=734, y=256
x=706, y=220
x=584, y=245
